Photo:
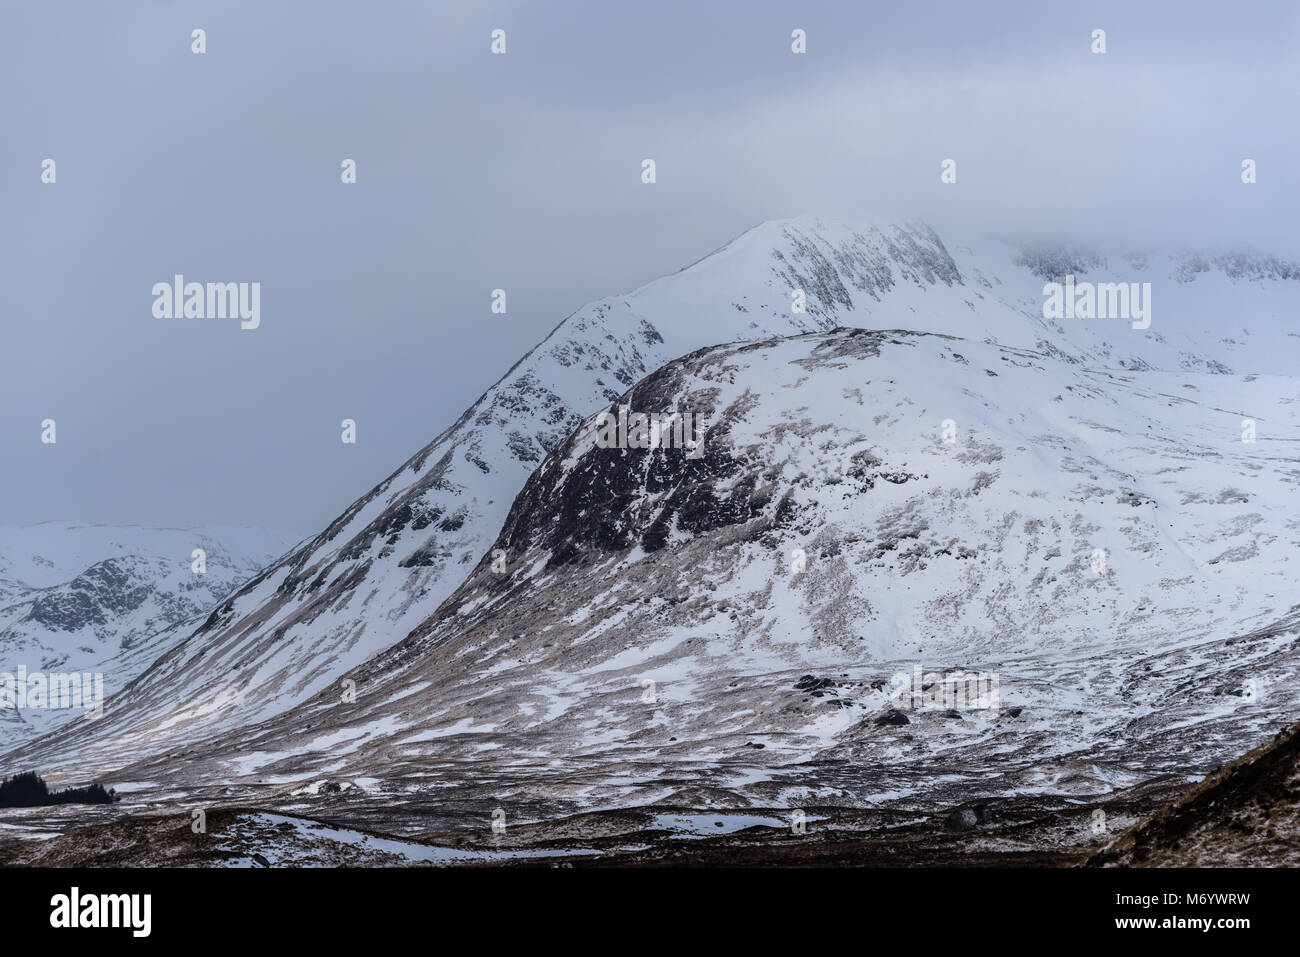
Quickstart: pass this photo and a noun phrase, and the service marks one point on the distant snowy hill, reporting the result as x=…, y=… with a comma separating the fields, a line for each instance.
x=389, y=561
x=94, y=598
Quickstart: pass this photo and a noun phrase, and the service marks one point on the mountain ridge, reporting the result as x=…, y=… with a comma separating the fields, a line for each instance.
x=773, y=687
x=395, y=554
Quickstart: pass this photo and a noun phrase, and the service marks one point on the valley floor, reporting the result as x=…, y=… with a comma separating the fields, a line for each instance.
x=1245, y=814
x=1016, y=832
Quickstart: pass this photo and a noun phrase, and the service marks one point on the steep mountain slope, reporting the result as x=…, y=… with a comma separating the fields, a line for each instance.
x=389, y=561
x=105, y=599
x=735, y=628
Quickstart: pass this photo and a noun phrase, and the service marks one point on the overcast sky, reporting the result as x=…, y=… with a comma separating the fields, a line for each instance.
x=523, y=172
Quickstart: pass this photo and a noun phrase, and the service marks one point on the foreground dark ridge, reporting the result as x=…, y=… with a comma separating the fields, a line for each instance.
x=1246, y=814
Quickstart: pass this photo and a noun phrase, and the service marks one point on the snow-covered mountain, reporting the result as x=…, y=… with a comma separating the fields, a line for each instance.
x=390, y=560
x=109, y=599
x=735, y=629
